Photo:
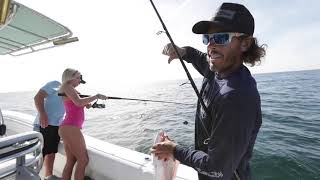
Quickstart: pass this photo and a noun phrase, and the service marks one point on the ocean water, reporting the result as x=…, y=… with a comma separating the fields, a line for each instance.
x=288, y=144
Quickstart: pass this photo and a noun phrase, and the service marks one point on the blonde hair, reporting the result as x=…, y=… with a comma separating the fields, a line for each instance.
x=68, y=74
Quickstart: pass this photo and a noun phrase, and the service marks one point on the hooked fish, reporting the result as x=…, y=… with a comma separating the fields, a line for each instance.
x=164, y=169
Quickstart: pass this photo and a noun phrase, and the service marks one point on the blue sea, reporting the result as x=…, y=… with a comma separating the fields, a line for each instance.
x=288, y=144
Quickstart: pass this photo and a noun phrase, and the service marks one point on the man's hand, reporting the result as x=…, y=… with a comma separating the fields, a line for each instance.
x=169, y=51
x=39, y=103
x=43, y=118
x=164, y=150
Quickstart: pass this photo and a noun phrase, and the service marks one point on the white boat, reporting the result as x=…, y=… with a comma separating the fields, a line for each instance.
x=20, y=147
x=107, y=161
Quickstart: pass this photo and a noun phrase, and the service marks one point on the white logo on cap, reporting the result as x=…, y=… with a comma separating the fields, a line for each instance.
x=228, y=14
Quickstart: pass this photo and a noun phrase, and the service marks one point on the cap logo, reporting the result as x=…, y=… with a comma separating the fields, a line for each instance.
x=223, y=13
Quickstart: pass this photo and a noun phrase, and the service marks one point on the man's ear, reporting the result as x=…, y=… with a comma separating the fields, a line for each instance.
x=246, y=44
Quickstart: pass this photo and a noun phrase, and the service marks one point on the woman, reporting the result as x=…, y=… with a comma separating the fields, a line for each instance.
x=70, y=128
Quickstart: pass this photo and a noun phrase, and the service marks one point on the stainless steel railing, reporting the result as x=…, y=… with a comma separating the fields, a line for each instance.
x=21, y=154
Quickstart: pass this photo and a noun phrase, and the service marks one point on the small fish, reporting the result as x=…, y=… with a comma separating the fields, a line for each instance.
x=164, y=170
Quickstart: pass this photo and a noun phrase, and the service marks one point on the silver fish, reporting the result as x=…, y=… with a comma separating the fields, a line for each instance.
x=164, y=170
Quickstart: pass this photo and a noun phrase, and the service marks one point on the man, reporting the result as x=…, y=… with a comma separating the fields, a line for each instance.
x=226, y=129
x=50, y=114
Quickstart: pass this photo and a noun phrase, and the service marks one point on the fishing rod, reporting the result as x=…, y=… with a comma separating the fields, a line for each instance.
x=130, y=99
x=185, y=69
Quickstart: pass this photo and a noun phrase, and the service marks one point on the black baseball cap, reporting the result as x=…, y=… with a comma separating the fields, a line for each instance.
x=230, y=17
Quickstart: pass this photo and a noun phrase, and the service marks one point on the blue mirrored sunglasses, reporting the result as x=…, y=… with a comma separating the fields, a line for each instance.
x=219, y=38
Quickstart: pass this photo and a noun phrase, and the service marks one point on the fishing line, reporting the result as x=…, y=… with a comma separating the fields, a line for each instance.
x=187, y=72
x=184, y=83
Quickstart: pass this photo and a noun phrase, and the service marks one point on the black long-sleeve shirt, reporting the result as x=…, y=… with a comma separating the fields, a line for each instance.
x=233, y=123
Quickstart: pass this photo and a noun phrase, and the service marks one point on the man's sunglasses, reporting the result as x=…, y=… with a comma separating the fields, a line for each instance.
x=219, y=38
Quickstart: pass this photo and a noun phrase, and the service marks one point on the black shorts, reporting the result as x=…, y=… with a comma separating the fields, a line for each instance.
x=51, y=139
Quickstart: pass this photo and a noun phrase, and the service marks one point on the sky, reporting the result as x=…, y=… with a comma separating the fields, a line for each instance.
x=119, y=48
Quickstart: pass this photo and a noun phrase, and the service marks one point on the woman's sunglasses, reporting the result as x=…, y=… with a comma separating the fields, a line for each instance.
x=219, y=38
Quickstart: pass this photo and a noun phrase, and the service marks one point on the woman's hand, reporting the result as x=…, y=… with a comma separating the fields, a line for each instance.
x=101, y=96
x=88, y=106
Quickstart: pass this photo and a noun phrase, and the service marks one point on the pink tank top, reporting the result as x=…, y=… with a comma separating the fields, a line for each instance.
x=74, y=114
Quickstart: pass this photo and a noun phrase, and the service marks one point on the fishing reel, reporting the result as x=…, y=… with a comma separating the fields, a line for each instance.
x=98, y=105
x=3, y=129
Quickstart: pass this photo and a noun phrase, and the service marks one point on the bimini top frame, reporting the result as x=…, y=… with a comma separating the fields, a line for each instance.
x=23, y=30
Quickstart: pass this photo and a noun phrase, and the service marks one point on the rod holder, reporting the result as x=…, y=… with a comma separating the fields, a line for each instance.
x=65, y=41
x=4, y=10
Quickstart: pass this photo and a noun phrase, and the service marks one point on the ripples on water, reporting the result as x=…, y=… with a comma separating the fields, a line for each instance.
x=288, y=144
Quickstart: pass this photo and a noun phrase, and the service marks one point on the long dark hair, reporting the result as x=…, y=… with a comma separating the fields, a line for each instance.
x=255, y=53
